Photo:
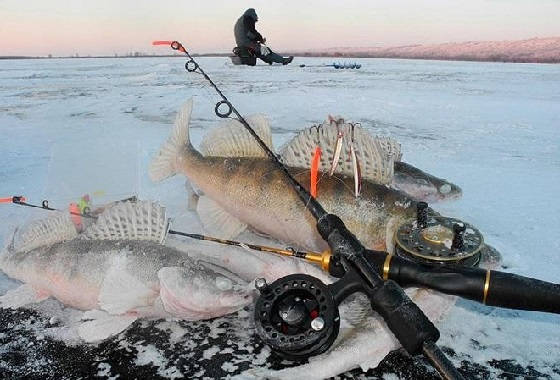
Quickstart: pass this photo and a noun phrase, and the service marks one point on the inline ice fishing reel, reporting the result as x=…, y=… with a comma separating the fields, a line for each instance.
x=297, y=316
x=435, y=239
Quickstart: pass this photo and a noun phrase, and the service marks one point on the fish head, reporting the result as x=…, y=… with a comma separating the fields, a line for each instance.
x=202, y=291
x=423, y=186
x=423, y=189
x=448, y=191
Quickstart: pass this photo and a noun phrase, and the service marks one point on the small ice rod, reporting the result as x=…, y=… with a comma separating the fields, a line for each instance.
x=336, y=65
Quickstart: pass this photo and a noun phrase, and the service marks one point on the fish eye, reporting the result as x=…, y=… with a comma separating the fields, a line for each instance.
x=224, y=283
x=445, y=188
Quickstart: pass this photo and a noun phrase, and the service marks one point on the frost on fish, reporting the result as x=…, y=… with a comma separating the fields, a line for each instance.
x=376, y=155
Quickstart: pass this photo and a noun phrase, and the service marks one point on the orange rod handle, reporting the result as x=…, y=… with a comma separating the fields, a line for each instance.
x=11, y=199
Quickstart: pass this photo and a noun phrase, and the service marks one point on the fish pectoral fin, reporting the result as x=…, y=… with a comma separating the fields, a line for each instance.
x=99, y=325
x=192, y=196
x=121, y=292
x=21, y=296
x=231, y=139
x=218, y=221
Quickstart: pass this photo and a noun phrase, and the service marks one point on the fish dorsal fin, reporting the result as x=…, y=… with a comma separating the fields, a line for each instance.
x=231, y=139
x=391, y=146
x=218, y=221
x=53, y=229
x=376, y=155
x=141, y=220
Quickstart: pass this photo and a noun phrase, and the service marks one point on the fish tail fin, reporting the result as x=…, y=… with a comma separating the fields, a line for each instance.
x=164, y=165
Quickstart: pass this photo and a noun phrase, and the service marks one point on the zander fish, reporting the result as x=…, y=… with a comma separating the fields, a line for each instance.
x=379, y=159
x=244, y=188
x=118, y=271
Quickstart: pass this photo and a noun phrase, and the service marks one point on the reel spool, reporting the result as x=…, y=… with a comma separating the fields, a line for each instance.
x=439, y=240
x=296, y=316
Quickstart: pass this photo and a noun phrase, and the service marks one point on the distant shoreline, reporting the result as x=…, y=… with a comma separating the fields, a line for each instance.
x=315, y=55
x=534, y=50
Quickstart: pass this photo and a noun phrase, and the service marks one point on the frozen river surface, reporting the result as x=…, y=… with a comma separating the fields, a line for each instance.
x=78, y=126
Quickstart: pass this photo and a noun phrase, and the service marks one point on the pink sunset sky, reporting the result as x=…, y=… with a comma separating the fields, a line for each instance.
x=104, y=27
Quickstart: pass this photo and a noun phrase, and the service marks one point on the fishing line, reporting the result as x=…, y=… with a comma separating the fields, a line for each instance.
x=21, y=201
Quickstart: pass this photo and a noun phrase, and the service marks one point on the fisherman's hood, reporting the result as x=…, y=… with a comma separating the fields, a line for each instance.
x=251, y=13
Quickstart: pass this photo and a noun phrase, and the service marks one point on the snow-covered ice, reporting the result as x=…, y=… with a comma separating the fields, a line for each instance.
x=80, y=126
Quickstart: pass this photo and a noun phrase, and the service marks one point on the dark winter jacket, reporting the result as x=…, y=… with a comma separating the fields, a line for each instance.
x=245, y=33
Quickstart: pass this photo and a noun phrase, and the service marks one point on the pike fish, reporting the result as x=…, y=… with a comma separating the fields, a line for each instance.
x=117, y=270
x=380, y=159
x=244, y=188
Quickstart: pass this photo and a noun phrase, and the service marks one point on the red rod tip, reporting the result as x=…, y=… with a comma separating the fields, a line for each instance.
x=161, y=43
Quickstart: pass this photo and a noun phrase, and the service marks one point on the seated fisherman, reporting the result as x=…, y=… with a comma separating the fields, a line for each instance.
x=247, y=37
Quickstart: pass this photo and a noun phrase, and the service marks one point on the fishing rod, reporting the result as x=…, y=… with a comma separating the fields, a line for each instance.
x=22, y=201
x=291, y=334
x=308, y=256
x=490, y=287
x=337, y=66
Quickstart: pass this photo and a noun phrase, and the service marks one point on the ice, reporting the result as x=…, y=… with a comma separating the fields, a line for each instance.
x=93, y=125
x=149, y=354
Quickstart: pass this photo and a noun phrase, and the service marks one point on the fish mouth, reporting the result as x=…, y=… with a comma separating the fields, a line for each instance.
x=435, y=193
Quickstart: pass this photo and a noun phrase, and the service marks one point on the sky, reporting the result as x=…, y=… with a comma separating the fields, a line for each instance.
x=106, y=27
